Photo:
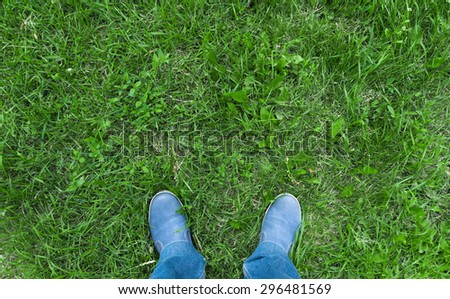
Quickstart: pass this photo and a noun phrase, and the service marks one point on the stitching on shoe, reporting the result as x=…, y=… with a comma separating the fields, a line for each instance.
x=159, y=246
x=246, y=273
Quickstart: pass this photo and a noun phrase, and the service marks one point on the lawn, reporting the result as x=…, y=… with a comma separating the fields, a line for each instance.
x=344, y=104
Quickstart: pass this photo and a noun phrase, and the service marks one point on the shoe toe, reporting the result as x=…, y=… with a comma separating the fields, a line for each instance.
x=282, y=221
x=288, y=207
x=167, y=222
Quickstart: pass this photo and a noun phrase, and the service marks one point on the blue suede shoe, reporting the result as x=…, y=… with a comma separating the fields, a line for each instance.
x=282, y=221
x=167, y=224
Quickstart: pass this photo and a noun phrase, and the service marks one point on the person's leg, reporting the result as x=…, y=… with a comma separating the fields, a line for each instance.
x=168, y=227
x=280, y=225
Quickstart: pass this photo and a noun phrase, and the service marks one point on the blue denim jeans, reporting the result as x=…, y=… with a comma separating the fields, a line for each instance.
x=182, y=260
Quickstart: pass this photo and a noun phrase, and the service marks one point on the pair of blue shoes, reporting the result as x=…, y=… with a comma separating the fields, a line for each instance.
x=168, y=225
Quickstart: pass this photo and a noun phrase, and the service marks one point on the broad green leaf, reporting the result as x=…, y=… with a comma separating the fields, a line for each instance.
x=418, y=213
x=232, y=108
x=336, y=127
x=314, y=181
x=347, y=191
x=400, y=238
x=369, y=170
x=376, y=258
x=275, y=83
x=132, y=93
x=236, y=224
x=436, y=62
x=300, y=172
x=238, y=96
x=391, y=110
x=265, y=114
x=296, y=59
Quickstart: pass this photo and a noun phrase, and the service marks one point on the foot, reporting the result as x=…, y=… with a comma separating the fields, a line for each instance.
x=167, y=223
x=282, y=221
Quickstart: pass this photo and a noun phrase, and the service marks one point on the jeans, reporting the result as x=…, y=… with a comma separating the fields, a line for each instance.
x=182, y=260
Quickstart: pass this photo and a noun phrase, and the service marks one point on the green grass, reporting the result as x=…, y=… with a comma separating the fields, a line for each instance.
x=227, y=104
